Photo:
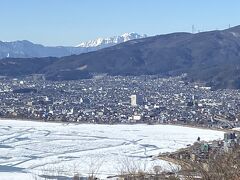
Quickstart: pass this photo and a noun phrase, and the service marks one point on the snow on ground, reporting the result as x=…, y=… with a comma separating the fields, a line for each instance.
x=28, y=148
x=236, y=129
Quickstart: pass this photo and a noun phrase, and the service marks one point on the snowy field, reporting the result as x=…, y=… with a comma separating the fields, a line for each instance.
x=29, y=149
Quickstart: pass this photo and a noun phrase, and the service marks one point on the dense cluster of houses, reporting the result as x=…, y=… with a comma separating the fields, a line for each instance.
x=120, y=99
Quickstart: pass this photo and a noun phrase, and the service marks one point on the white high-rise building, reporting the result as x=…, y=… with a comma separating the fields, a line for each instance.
x=133, y=100
x=136, y=100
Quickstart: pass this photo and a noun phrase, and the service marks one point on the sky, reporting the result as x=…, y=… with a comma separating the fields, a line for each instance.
x=69, y=22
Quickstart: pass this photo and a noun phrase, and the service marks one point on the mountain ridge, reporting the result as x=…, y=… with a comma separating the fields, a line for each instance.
x=212, y=57
x=106, y=42
x=27, y=49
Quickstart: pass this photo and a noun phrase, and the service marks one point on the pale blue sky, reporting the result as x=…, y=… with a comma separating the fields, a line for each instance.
x=68, y=22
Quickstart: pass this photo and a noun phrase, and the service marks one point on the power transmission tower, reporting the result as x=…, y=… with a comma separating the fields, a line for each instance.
x=193, y=29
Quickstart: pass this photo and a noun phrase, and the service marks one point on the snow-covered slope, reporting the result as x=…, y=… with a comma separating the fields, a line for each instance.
x=27, y=49
x=106, y=42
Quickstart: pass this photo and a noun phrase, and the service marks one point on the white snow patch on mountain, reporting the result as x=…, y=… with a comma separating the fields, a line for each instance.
x=111, y=40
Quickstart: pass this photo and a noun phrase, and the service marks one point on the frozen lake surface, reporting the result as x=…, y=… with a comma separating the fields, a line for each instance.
x=29, y=149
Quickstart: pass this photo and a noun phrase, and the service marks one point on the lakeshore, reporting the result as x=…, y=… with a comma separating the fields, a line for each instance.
x=78, y=123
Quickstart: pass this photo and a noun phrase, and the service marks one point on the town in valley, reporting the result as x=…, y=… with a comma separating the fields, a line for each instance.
x=120, y=99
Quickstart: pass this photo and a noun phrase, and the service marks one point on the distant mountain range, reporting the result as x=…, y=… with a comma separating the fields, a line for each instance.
x=107, y=42
x=212, y=57
x=27, y=49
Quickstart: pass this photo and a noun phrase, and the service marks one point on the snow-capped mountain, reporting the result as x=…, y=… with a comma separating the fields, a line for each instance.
x=106, y=42
x=27, y=49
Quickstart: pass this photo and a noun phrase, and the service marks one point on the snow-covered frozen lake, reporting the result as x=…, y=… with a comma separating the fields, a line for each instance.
x=28, y=148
